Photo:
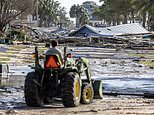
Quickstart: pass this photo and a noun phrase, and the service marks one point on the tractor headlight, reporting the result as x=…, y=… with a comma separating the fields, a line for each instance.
x=33, y=55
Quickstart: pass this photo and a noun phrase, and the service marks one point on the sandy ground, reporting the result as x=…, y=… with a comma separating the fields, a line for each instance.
x=106, y=106
x=106, y=64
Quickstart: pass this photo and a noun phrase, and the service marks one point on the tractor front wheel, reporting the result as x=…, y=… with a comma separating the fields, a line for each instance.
x=87, y=94
x=31, y=90
x=71, y=90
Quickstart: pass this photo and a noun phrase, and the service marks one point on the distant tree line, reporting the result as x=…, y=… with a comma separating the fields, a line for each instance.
x=115, y=12
x=11, y=9
x=51, y=13
x=48, y=12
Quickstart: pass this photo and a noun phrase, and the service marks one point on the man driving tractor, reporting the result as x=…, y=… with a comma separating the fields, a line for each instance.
x=60, y=79
x=54, y=50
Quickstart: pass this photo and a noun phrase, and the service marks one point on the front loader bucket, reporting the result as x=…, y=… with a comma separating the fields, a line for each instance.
x=97, y=86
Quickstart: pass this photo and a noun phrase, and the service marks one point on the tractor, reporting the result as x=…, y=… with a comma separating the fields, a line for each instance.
x=52, y=80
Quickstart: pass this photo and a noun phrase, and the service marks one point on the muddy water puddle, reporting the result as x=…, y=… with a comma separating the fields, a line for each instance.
x=129, y=85
x=16, y=76
x=11, y=89
x=11, y=97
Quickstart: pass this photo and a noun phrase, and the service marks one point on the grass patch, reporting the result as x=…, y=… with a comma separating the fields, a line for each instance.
x=4, y=59
x=28, y=61
x=142, y=55
x=13, y=49
x=12, y=52
x=7, y=55
x=18, y=47
x=147, y=63
x=3, y=54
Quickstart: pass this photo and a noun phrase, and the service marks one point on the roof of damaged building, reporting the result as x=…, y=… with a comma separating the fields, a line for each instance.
x=125, y=29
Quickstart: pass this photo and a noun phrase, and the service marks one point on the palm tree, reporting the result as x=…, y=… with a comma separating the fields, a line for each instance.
x=115, y=11
x=125, y=11
x=145, y=9
x=78, y=12
x=62, y=15
x=84, y=19
x=49, y=11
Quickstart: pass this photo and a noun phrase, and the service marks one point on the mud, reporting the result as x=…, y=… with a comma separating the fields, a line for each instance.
x=118, y=71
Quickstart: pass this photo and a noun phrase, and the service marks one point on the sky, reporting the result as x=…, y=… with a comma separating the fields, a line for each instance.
x=68, y=3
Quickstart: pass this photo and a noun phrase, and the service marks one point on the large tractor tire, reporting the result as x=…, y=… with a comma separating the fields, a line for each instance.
x=87, y=94
x=31, y=90
x=71, y=90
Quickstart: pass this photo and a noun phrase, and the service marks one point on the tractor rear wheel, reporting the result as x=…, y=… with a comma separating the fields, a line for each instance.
x=31, y=90
x=87, y=94
x=71, y=90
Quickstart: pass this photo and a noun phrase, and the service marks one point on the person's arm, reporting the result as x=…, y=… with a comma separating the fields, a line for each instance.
x=42, y=56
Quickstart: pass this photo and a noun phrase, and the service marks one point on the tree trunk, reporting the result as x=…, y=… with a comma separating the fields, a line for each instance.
x=133, y=17
x=118, y=22
x=45, y=22
x=77, y=22
x=2, y=28
x=40, y=21
x=144, y=20
x=48, y=22
x=125, y=19
x=114, y=23
x=151, y=21
x=109, y=23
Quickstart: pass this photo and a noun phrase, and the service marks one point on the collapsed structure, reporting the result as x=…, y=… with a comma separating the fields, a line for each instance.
x=125, y=29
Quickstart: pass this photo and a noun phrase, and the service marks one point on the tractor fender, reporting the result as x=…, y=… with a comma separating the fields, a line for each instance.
x=69, y=69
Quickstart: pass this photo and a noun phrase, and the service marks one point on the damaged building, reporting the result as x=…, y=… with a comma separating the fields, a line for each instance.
x=120, y=30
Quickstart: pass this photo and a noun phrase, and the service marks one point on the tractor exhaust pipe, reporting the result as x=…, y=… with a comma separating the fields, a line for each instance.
x=36, y=57
x=65, y=53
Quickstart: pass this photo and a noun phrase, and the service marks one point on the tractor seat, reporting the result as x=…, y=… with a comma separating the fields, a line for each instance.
x=52, y=62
